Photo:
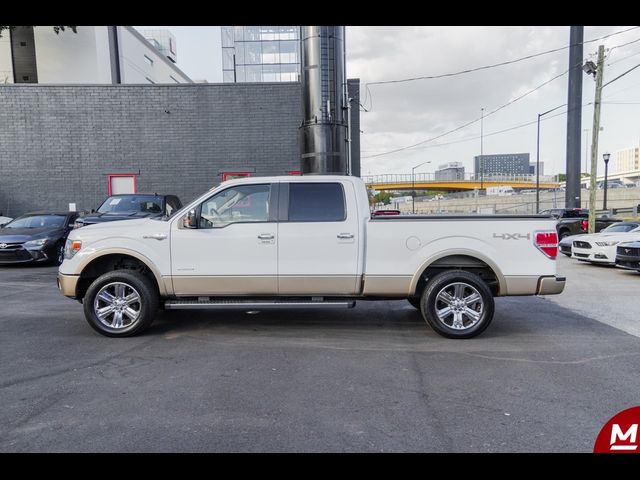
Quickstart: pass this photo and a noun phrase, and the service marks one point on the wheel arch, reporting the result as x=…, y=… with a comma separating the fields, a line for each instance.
x=461, y=259
x=96, y=265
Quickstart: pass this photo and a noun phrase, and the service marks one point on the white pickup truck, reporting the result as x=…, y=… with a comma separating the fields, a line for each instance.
x=300, y=242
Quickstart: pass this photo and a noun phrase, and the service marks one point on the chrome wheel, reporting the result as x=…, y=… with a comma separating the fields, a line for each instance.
x=459, y=306
x=117, y=305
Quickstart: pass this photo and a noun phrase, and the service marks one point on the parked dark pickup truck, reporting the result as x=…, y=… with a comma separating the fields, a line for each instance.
x=575, y=221
x=131, y=206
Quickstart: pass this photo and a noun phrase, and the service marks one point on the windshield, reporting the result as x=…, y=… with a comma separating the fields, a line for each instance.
x=132, y=204
x=625, y=227
x=37, y=221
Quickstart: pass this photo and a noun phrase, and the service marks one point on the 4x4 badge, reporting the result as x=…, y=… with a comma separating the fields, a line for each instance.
x=511, y=236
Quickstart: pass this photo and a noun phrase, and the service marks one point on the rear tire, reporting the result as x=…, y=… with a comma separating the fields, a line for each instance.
x=457, y=304
x=121, y=303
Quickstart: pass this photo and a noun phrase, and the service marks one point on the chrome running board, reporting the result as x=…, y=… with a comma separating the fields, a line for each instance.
x=254, y=305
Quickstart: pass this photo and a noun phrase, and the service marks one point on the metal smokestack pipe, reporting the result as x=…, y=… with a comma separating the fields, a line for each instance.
x=323, y=133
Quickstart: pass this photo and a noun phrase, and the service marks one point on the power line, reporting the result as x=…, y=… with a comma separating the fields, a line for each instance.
x=475, y=120
x=508, y=62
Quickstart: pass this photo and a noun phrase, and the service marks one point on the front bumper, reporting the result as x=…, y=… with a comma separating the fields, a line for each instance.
x=629, y=262
x=551, y=285
x=22, y=255
x=67, y=284
x=595, y=254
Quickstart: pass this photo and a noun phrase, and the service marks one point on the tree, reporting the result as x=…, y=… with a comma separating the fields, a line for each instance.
x=56, y=29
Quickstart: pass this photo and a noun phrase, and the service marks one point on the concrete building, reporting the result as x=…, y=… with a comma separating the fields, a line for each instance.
x=532, y=168
x=625, y=160
x=260, y=54
x=450, y=171
x=502, y=164
x=93, y=55
x=163, y=40
x=66, y=144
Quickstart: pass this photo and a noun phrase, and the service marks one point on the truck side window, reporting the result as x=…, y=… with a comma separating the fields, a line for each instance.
x=316, y=202
x=240, y=204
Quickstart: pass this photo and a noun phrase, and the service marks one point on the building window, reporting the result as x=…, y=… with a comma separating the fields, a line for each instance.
x=148, y=60
x=231, y=175
x=119, y=183
x=25, y=78
x=23, y=44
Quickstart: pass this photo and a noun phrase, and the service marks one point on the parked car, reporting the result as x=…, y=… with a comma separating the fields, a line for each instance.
x=385, y=212
x=628, y=255
x=601, y=247
x=4, y=220
x=575, y=221
x=565, y=245
x=36, y=237
x=131, y=206
x=306, y=242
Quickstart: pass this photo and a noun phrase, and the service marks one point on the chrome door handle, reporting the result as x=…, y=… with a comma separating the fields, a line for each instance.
x=265, y=236
x=344, y=236
x=156, y=236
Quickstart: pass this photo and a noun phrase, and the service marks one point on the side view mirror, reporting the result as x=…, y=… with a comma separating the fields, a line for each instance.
x=189, y=220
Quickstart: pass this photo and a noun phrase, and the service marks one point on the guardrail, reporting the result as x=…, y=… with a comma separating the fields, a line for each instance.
x=433, y=177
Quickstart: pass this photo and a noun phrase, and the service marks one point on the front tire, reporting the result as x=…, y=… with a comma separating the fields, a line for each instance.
x=457, y=304
x=121, y=303
x=415, y=302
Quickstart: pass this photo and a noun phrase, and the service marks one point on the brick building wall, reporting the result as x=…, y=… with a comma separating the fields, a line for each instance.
x=59, y=143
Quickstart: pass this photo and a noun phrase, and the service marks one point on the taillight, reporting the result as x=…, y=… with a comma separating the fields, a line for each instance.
x=584, y=225
x=547, y=243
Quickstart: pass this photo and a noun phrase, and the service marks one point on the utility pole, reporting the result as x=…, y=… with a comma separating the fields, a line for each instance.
x=594, y=140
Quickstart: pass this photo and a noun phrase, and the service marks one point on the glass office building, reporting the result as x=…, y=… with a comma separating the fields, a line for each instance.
x=260, y=54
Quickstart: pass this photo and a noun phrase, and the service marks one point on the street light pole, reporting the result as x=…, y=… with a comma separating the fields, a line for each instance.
x=606, y=174
x=540, y=115
x=413, y=185
x=481, y=148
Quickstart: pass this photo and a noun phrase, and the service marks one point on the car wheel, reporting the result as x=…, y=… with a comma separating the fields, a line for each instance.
x=415, y=301
x=457, y=304
x=121, y=303
x=59, y=255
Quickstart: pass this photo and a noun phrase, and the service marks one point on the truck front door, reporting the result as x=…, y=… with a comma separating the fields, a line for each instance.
x=318, y=239
x=233, y=250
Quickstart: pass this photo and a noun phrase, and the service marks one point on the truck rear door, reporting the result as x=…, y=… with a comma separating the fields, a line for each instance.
x=318, y=239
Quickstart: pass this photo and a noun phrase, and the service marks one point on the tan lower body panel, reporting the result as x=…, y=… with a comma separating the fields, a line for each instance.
x=266, y=285
x=387, y=285
x=225, y=285
x=521, y=285
x=67, y=284
x=318, y=285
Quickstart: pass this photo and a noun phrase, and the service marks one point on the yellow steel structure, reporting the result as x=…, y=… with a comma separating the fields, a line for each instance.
x=453, y=185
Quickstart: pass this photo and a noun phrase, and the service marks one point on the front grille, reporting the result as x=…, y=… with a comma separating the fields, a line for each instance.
x=628, y=251
x=14, y=253
x=579, y=244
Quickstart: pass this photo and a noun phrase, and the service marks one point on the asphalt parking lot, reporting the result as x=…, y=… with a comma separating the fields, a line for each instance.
x=544, y=377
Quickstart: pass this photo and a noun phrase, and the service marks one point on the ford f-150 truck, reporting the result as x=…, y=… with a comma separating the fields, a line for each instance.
x=309, y=241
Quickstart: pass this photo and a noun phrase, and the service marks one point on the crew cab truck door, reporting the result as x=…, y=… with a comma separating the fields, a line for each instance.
x=318, y=239
x=233, y=249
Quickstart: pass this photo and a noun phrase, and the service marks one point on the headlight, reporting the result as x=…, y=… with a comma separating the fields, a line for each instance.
x=71, y=247
x=41, y=242
x=610, y=243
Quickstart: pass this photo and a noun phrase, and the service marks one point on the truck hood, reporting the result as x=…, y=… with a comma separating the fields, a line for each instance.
x=612, y=237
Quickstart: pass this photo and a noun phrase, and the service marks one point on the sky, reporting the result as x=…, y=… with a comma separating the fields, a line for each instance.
x=403, y=114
